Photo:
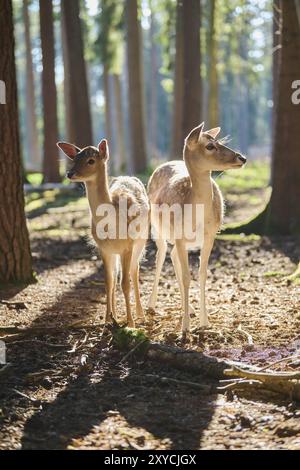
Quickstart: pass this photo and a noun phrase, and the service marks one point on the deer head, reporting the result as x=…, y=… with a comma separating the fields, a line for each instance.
x=202, y=150
x=87, y=162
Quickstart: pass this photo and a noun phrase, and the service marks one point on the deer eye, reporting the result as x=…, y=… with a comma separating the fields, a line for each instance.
x=210, y=147
x=91, y=161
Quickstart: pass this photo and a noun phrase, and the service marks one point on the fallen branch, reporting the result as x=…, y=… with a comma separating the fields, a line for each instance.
x=240, y=384
x=35, y=377
x=284, y=359
x=204, y=388
x=185, y=359
x=248, y=376
x=23, y=395
x=285, y=383
x=42, y=343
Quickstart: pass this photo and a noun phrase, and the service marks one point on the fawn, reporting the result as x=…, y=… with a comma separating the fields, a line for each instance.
x=190, y=182
x=90, y=167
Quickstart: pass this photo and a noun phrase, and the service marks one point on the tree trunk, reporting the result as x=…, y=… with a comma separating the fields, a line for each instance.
x=243, y=85
x=68, y=119
x=297, y=3
x=34, y=161
x=153, y=92
x=276, y=61
x=120, y=138
x=51, y=160
x=213, y=81
x=15, y=257
x=135, y=92
x=177, y=144
x=108, y=115
x=80, y=127
x=284, y=210
x=192, y=86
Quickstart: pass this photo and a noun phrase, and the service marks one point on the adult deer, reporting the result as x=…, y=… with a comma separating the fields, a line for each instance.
x=119, y=220
x=189, y=182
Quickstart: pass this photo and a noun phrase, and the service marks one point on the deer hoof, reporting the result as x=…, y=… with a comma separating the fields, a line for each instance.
x=141, y=316
x=185, y=336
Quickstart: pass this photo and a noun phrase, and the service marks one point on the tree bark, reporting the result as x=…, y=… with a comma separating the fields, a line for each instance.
x=135, y=92
x=120, y=137
x=213, y=80
x=108, y=114
x=68, y=119
x=80, y=126
x=276, y=61
x=153, y=88
x=297, y=3
x=284, y=210
x=51, y=160
x=192, y=86
x=282, y=213
x=34, y=161
x=15, y=257
x=177, y=144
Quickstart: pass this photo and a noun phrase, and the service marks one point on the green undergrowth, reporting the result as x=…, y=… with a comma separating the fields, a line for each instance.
x=126, y=339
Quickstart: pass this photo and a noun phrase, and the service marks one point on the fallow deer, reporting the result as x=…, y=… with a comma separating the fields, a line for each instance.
x=90, y=167
x=190, y=182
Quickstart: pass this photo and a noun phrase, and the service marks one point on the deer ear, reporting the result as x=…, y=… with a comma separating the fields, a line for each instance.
x=69, y=150
x=103, y=150
x=195, y=135
x=214, y=132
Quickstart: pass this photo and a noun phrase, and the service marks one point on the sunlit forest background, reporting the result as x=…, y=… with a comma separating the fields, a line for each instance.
x=236, y=77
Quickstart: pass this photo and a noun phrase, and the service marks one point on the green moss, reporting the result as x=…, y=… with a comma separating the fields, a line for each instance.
x=274, y=274
x=34, y=178
x=295, y=276
x=239, y=237
x=126, y=338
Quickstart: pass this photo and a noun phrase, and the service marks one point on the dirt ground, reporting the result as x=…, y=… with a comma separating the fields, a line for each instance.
x=69, y=390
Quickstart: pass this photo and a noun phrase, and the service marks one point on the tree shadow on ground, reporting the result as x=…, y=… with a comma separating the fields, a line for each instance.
x=175, y=413
x=178, y=414
x=54, y=252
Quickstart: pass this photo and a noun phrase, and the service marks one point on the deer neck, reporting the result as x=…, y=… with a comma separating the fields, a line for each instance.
x=98, y=191
x=202, y=189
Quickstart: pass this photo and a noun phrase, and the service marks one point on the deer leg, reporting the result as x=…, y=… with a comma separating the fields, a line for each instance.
x=205, y=254
x=177, y=268
x=160, y=258
x=186, y=279
x=126, y=262
x=109, y=267
x=114, y=288
x=134, y=272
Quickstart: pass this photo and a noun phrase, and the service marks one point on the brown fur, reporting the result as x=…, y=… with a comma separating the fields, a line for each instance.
x=189, y=182
x=90, y=166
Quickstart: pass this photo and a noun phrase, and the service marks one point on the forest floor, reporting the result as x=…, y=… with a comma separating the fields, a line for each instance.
x=67, y=389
